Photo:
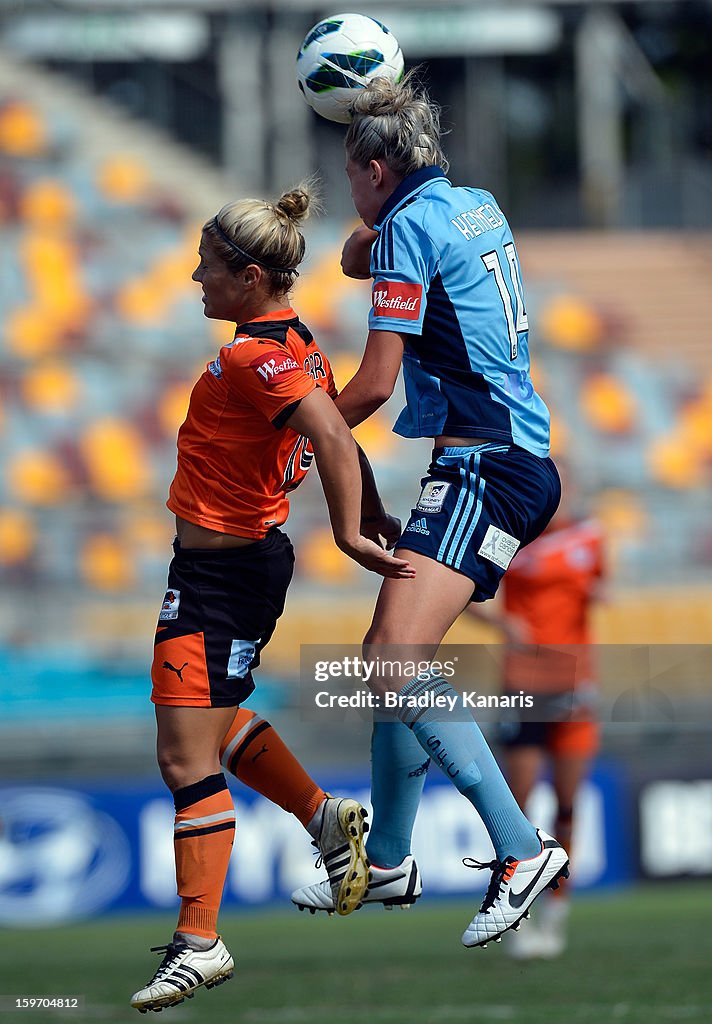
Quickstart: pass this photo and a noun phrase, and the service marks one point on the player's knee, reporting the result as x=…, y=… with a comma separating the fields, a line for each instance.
x=169, y=771
x=175, y=770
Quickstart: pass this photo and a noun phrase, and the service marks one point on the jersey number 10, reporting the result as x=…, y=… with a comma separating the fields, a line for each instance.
x=514, y=311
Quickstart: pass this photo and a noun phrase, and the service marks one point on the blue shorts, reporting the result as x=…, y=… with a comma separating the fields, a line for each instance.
x=478, y=506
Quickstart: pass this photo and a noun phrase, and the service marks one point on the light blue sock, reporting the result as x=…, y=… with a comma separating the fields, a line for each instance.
x=461, y=751
x=398, y=771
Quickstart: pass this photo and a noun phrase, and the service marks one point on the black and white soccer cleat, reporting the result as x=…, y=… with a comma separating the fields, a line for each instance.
x=392, y=887
x=181, y=972
x=342, y=851
x=514, y=886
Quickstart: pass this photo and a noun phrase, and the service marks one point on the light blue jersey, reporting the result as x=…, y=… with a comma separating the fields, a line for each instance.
x=446, y=273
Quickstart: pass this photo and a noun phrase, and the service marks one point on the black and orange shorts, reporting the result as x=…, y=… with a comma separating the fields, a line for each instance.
x=219, y=612
x=579, y=738
x=568, y=726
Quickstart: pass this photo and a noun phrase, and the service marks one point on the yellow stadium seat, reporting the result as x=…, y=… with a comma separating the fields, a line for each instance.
x=22, y=130
x=172, y=271
x=123, y=179
x=568, y=322
x=695, y=426
x=38, y=478
x=47, y=203
x=105, y=564
x=30, y=333
x=607, y=404
x=320, y=292
x=376, y=437
x=116, y=460
x=344, y=365
x=46, y=255
x=50, y=388
x=221, y=332
x=321, y=560
x=51, y=265
x=141, y=303
x=173, y=407
x=18, y=536
x=674, y=463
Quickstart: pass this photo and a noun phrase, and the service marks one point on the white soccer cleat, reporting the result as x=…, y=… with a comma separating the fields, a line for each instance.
x=523, y=944
x=341, y=845
x=514, y=886
x=182, y=971
x=392, y=887
x=545, y=937
x=552, y=926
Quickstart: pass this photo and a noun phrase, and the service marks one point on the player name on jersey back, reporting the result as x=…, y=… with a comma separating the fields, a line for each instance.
x=475, y=222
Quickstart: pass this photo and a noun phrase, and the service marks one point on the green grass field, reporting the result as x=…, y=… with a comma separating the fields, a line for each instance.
x=640, y=957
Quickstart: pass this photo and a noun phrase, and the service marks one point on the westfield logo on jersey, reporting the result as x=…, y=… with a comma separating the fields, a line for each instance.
x=273, y=366
x=398, y=299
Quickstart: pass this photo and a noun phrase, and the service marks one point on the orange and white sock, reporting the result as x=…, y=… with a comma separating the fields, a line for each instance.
x=203, y=835
x=254, y=752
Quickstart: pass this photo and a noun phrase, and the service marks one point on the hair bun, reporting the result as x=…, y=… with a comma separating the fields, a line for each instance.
x=381, y=97
x=295, y=204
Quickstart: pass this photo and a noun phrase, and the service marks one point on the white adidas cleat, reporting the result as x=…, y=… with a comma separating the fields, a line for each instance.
x=182, y=971
x=392, y=887
x=514, y=886
x=341, y=845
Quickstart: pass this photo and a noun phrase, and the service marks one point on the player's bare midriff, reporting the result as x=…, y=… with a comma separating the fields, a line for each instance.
x=460, y=442
x=190, y=535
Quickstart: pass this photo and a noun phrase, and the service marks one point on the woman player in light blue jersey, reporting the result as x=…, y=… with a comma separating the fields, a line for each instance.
x=448, y=305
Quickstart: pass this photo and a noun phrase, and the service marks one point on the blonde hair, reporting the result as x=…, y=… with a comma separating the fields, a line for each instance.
x=259, y=231
x=396, y=122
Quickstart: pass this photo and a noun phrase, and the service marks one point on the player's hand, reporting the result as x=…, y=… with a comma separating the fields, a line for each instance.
x=382, y=529
x=356, y=253
x=371, y=556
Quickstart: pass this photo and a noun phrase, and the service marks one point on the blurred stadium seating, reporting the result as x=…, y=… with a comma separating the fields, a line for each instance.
x=102, y=337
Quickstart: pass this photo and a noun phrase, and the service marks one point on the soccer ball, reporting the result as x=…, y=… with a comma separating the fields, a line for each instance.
x=341, y=54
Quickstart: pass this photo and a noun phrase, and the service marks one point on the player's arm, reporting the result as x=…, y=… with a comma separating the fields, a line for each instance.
x=356, y=253
x=402, y=269
x=373, y=383
x=376, y=523
x=337, y=460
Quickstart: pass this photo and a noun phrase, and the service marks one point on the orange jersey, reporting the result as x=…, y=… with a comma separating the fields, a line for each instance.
x=236, y=459
x=550, y=586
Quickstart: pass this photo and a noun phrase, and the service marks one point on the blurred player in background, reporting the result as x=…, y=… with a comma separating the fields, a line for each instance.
x=448, y=306
x=543, y=610
x=259, y=414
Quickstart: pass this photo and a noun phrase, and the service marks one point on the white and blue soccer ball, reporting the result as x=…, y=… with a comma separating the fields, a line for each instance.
x=341, y=54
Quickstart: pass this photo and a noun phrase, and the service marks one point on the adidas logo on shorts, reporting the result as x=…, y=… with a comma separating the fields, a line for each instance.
x=419, y=526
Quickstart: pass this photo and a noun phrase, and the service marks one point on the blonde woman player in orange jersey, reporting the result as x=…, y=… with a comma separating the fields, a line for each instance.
x=259, y=414
x=544, y=613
